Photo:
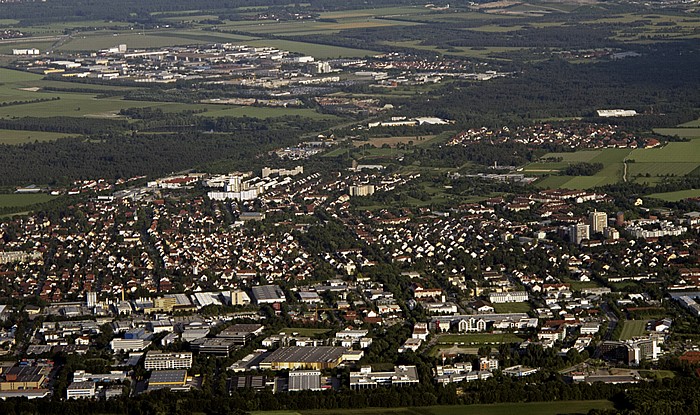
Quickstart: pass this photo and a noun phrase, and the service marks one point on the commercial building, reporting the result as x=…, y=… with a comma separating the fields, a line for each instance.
x=304, y=380
x=24, y=378
x=268, y=294
x=128, y=345
x=217, y=346
x=171, y=379
x=300, y=357
x=160, y=361
x=400, y=376
x=77, y=390
x=241, y=334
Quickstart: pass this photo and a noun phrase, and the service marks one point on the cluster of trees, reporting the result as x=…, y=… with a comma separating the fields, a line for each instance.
x=62, y=161
x=583, y=169
x=30, y=101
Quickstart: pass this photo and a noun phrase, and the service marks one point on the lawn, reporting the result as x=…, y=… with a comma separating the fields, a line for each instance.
x=529, y=408
x=14, y=137
x=480, y=338
x=512, y=307
x=633, y=328
x=18, y=200
x=676, y=196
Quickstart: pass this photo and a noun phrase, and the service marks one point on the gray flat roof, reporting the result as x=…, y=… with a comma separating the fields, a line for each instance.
x=168, y=376
x=306, y=354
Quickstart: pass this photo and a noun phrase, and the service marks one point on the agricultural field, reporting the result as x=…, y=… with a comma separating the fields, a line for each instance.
x=611, y=158
x=689, y=132
x=24, y=86
x=21, y=200
x=633, y=328
x=474, y=52
x=530, y=408
x=14, y=137
x=394, y=141
x=674, y=159
x=694, y=123
x=676, y=196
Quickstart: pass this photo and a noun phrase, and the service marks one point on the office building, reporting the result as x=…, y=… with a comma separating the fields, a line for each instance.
x=160, y=361
x=400, y=376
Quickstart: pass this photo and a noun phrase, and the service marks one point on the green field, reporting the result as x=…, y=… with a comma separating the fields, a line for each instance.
x=695, y=123
x=633, y=328
x=262, y=112
x=19, y=86
x=530, y=408
x=19, y=136
x=611, y=158
x=19, y=200
x=512, y=307
x=676, y=196
x=480, y=338
x=680, y=132
x=686, y=152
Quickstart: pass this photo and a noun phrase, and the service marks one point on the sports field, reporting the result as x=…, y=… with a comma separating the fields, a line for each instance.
x=633, y=328
x=479, y=338
x=530, y=408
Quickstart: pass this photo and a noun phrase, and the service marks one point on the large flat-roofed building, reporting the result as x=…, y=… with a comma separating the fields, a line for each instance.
x=159, y=361
x=304, y=380
x=268, y=294
x=400, y=376
x=299, y=357
x=217, y=346
x=128, y=345
x=171, y=379
x=24, y=378
x=241, y=334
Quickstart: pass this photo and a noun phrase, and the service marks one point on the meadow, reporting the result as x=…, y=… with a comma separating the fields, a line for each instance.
x=676, y=196
x=14, y=137
x=20, y=200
